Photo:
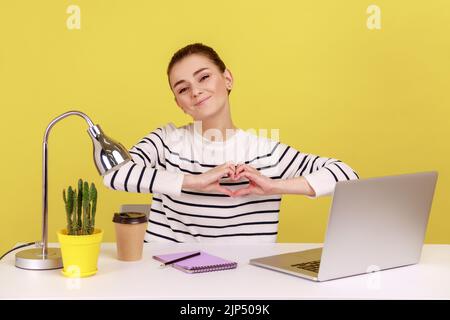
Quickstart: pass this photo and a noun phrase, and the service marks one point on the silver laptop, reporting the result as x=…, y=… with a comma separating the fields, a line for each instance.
x=374, y=224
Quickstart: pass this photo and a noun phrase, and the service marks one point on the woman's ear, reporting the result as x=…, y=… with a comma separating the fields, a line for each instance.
x=228, y=79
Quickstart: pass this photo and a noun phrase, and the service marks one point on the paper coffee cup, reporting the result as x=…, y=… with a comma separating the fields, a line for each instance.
x=130, y=231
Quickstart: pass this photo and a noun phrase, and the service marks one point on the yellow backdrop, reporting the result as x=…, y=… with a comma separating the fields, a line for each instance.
x=374, y=98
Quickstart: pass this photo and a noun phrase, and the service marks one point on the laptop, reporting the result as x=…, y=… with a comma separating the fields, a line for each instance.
x=374, y=224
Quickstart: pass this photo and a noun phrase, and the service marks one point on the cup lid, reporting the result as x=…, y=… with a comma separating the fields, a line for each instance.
x=129, y=217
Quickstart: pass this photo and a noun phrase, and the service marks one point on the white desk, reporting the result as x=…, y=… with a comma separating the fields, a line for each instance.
x=430, y=279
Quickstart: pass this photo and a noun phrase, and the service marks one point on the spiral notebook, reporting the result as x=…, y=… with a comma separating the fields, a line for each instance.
x=204, y=262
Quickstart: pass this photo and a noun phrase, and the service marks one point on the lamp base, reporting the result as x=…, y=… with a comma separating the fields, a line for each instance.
x=32, y=259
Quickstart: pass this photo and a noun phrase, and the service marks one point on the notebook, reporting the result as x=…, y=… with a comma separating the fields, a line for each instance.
x=204, y=262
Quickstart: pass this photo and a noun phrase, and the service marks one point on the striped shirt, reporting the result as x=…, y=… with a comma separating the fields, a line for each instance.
x=162, y=158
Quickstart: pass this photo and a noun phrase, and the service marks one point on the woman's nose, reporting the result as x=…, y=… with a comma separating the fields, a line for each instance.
x=196, y=91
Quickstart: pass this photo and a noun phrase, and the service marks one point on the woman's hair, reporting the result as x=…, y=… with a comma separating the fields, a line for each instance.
x=197, y=48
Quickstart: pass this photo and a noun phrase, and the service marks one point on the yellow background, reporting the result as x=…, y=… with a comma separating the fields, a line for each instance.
x=376, y=99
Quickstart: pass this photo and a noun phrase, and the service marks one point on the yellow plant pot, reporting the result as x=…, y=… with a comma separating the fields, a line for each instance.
x=80, y=253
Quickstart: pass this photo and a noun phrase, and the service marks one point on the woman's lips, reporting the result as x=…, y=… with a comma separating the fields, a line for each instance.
x=202, y=102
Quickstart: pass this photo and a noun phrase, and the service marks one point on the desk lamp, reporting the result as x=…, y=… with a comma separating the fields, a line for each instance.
x=109, y=155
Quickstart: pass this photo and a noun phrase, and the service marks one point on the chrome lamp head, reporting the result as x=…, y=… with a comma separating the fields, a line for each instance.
x=109, y=155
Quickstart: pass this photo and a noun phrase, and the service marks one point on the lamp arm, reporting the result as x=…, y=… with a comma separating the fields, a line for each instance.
x=65, y=115
x=45, y=176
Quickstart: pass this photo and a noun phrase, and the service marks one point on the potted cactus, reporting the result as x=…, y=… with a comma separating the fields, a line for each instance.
x=80, y=240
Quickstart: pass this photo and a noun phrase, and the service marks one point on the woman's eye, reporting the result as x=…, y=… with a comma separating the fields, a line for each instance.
x=201, y=79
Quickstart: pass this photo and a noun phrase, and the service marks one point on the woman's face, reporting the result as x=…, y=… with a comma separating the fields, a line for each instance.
x=200, y=89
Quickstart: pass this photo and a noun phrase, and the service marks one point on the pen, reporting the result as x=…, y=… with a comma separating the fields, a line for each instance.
x=180, y=259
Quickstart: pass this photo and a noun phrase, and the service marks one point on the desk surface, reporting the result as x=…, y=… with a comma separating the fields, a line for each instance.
x=144, y=279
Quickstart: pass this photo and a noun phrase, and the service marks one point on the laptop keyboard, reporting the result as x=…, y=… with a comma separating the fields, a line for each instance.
x=310, y=266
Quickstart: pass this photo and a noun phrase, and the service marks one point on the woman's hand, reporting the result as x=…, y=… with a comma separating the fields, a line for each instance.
x=209, y=181
x=262, y=185
x=259, y=184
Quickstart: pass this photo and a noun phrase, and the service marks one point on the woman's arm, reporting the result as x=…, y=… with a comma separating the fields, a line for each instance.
x=263, y=185
x=298, y=185
x=296, y=173
x=140, y=174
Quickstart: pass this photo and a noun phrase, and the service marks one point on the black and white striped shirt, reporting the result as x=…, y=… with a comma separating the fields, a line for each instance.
x=163, y=157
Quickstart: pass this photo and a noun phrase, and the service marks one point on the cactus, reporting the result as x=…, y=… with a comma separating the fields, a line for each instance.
x=81, y=207
x=68, y=213
x=70, y=205
x=74, y=214
x=93, y=199
x=85, y=208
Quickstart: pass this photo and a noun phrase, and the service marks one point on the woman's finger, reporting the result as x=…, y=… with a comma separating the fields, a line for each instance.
x=231, y=173
x=227, y=172
x=246, y=168
x=225, y=165
x=255, y=178
x=232, y=168
x=239, y=169
x=230, y=165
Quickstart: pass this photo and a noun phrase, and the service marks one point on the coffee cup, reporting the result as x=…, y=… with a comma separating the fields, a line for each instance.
x=130, y=232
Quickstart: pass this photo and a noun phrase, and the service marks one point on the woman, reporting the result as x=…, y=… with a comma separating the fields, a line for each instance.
x=210, y=180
